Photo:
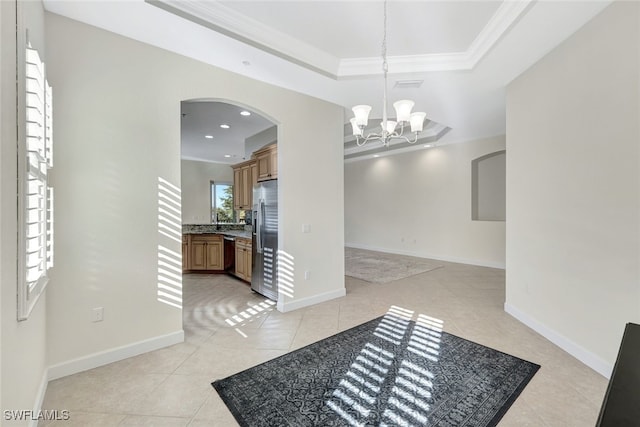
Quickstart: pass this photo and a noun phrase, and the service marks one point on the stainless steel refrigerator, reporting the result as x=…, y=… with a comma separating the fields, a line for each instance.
x=264, y=278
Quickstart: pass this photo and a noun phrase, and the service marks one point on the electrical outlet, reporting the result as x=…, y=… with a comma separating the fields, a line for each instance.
x=306, y=228
x=97, y=314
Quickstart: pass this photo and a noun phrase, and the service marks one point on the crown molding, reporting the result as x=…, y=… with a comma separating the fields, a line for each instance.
x=231, y=23
x=357, y=67
x=506, y=15
x=501, y=21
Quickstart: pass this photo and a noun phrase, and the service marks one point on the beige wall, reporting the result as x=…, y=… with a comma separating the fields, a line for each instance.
x=23, y=344
x=573, y=194
x=259, y=140
x=118, y=130
x=419, y=203
x=196, y=197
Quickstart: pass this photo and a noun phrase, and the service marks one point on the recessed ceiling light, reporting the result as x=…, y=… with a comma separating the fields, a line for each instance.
x=427, y=145
x=225, y=126
x=245, y=113
x=209, y=136
x=376, y=155
x=227, y=155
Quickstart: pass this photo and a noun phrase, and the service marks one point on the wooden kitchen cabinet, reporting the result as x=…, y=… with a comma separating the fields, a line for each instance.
x=244, y=176
x=185, y=252
x=206, y=252
x=243, y=259
x=267, y=162
x=237, y=187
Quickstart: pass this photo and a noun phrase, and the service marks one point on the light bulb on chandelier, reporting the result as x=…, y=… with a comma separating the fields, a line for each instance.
x=389, y=129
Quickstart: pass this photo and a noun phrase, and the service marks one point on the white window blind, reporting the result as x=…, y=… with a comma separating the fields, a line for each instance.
x=36, y=198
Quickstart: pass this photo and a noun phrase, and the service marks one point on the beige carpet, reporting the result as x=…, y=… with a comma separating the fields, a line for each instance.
x=379, y=267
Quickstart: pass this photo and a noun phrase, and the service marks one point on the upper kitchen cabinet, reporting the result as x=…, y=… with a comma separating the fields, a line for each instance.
x=267, y=162
x=244, y=177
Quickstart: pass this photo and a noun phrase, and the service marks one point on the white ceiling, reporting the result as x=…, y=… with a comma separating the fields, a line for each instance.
x=464, y=52
x=203, y=118
x=414, y=27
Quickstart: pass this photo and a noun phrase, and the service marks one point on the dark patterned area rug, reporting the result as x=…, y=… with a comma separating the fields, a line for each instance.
x=391, y=371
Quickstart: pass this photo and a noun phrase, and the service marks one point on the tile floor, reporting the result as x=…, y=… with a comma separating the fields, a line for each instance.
x=224, y=334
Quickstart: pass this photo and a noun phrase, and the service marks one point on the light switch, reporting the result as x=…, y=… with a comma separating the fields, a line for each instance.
x=306, y=228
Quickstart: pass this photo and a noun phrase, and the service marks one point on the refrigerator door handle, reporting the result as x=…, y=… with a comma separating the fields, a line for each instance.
x=259, y=226
x=262, y=224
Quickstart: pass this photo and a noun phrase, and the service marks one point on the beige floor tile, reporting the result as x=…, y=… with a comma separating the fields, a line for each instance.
x=319, y=321
x=281, y=322
x=310, y=333
x=264, y=339
x=98, y=393
x=558, y=403
x=84, y=419
x=163, y=361
x=137, y=420
x=178, y=396
x=218, y=364
x=229, y=328
x=214, y=412
x=521, y=415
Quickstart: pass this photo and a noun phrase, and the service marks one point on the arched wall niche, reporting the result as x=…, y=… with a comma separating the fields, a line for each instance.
x=488, y=183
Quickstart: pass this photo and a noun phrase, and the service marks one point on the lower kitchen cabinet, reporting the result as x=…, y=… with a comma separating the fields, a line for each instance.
x=243, y=259
x=185, y=252
x=205, y=252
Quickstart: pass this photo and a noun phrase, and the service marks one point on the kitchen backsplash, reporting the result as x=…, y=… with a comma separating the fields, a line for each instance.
x=203, y=228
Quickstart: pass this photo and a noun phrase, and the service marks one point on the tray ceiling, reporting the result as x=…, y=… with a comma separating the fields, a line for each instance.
x=462, y=54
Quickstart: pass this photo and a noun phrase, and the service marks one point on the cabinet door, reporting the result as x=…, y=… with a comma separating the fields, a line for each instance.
x=253, y=180
x=245, y=187
x=215, y=255
x=247, y=258
x=198, y=255
x=237, y=188
x=185, y=253
x=273, y=163
x=241, y=262
x=264, y=169
x=254, y=175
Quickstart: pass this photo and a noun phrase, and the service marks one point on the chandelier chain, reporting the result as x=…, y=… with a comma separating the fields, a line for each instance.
x=390, y=129
x=384, y=40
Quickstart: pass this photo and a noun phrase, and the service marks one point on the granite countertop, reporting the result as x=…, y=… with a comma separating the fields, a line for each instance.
x=235, y=230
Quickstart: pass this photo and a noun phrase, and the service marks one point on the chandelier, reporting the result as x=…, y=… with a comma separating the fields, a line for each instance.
x=390, y=129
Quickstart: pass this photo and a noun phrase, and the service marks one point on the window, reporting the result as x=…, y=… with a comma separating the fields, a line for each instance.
x=35, y=201
x=222, y=203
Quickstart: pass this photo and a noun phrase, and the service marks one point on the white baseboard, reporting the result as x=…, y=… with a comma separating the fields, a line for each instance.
x=42, y=390
x=113, y=355
x=500, y=265
x=306, y=302
x=588, y=358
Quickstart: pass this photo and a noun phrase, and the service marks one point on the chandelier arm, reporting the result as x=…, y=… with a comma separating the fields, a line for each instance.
x=372, y=136
x=415, y=139
x=404, y=138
